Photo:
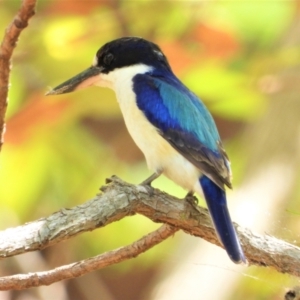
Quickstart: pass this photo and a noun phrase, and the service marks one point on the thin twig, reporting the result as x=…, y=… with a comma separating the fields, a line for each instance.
x=8, y=44
x=24, y=281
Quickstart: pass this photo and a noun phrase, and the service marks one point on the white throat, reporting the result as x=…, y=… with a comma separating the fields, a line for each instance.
x=121, y=77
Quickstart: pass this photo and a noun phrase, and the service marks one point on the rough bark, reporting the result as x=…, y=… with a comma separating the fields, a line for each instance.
x=118, y=200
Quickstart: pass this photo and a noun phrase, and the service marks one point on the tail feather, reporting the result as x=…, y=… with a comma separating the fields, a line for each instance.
x=216, y=202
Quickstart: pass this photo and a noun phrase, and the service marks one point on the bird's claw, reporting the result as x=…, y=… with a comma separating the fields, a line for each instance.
x=191, y=199
x=147, y=182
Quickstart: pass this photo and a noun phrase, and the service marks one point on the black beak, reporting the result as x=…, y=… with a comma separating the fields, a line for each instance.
x=84, y=79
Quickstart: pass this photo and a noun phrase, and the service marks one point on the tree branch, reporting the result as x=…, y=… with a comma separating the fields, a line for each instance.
x=120, y=199
x=8, y=44
x=23, y=281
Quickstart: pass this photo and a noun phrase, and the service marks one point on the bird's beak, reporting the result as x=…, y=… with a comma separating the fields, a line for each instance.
x=84, y=79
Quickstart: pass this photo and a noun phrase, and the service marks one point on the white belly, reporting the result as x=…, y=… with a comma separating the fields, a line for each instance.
x=159, y=154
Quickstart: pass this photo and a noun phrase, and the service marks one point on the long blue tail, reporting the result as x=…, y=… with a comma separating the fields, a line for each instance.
x=216, y=202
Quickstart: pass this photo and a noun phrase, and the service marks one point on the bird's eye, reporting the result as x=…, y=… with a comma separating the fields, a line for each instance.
x=108, y=58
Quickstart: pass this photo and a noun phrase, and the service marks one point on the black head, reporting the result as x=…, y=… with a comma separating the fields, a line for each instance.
x=119, y=53
x=128, y=51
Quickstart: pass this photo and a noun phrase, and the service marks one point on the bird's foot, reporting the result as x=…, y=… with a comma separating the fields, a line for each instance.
x=191, y=199
x=147, y=182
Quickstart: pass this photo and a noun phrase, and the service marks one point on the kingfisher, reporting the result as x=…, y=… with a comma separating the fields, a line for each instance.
x=168, y=122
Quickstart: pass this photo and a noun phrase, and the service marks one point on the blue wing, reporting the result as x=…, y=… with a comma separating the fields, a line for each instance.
x=184, y=122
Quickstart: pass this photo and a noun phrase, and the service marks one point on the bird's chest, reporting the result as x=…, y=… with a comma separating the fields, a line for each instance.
x=155, y=148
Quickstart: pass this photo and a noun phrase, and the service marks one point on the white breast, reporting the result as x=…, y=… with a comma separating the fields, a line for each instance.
x=159, y=154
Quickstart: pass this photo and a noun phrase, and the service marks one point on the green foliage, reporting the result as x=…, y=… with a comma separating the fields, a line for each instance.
x=231, y=96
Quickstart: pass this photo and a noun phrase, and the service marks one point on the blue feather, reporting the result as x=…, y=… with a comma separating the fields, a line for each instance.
x=172, y=105
x=216, y=202
x=183, y=120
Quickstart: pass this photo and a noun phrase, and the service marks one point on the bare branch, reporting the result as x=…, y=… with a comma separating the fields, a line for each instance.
x=23, y=281
x=121, y=199
x=8, y=44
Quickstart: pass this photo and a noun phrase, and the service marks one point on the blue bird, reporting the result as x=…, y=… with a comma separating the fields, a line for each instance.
x=169, y=123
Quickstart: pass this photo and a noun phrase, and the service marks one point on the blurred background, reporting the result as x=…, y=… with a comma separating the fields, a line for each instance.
x=242, y=58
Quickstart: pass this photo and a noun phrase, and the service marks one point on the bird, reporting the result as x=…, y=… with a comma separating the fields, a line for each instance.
x=168, y=122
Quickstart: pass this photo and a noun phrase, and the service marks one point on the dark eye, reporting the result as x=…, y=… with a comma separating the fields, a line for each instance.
x=108, y=58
